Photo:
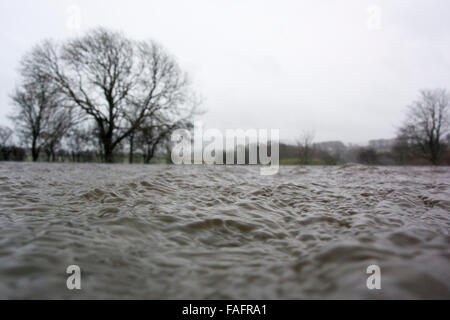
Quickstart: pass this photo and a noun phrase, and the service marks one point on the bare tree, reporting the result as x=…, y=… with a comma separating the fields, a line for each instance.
x=5, y=136
x=38, y=111
x=156, y=132
x=77, y=139
x=427, y=125
x=59, y=124
x=80, y=143
x=305, y=146
x=116, y=81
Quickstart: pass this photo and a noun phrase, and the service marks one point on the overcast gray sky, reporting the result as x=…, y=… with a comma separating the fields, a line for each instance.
x=345, y=69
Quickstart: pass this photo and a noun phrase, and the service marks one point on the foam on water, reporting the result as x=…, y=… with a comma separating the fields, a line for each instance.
x=223, y=232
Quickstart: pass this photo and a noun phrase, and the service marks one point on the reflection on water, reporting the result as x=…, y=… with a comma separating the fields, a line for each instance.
x=158, y=232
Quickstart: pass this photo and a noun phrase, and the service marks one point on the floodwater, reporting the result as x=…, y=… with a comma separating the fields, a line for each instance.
x=198, y=232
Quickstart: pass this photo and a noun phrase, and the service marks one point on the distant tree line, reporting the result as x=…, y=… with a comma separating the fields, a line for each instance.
x=8, y=151
x=90, y=98
x=423, y=139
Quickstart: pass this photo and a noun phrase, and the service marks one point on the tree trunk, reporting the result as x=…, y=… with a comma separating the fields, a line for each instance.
x=434, y=159
x=131, y=148
x=34, y=151
x=109, y=158
x=433, y=152
x=108, y=150
x=148, y=155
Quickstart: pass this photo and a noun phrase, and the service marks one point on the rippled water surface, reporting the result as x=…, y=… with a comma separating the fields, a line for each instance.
x=160, y=232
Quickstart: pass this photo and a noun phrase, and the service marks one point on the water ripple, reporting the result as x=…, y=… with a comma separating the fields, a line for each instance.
x=223, y=232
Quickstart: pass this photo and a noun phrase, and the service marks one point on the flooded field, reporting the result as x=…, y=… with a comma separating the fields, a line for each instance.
x=169, y=232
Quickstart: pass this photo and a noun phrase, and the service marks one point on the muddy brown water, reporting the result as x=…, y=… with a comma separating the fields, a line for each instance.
x=198, y=232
